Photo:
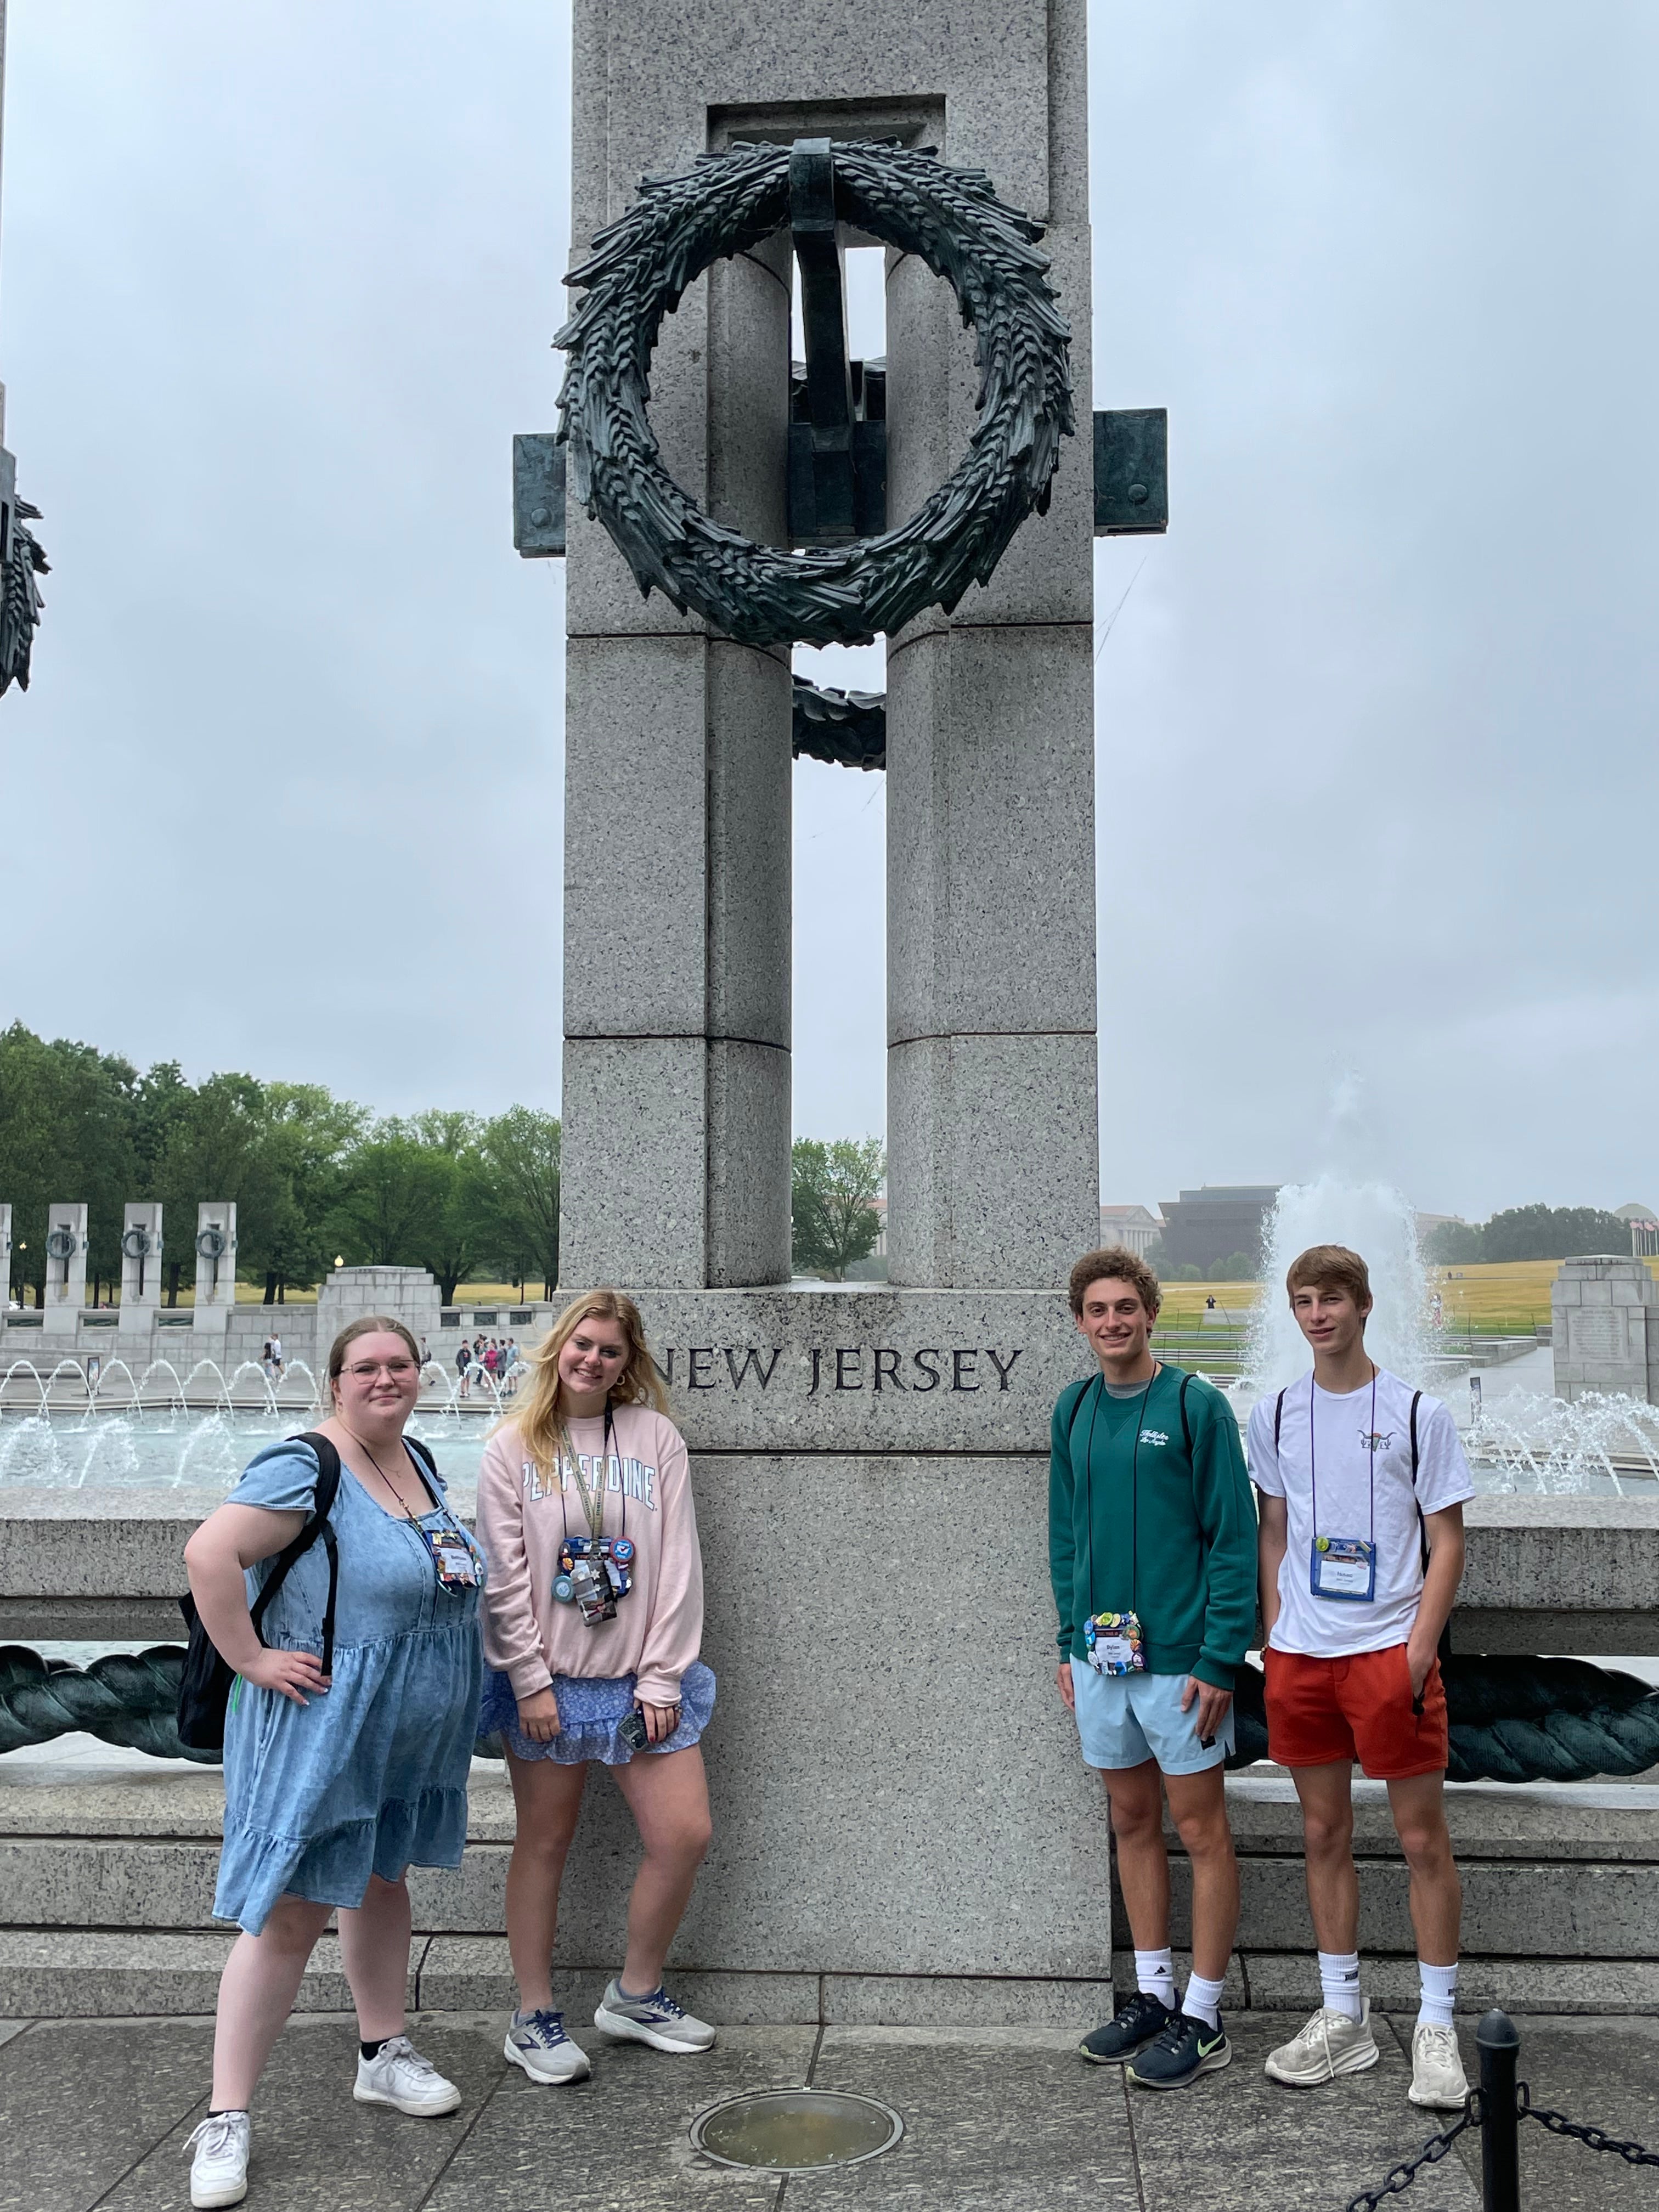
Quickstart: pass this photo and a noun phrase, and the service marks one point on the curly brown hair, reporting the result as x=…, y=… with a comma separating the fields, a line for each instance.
x=1114, y=1263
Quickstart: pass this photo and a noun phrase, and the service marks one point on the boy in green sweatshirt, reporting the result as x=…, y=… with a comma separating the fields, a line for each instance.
x=1152, y=1553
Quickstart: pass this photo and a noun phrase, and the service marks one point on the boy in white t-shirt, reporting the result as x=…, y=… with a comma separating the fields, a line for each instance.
x=1359, y=1476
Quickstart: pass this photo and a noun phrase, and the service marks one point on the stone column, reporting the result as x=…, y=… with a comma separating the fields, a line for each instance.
x=677, y=769
x=993, y=1132
x=869, y=1465
x=5, y=1254
x=140, y=1268
x=215, y=1266
x=66, y=1269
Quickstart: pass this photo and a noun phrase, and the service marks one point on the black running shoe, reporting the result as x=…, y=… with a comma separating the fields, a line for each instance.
x=1131, y=2027
x=1186, y=2049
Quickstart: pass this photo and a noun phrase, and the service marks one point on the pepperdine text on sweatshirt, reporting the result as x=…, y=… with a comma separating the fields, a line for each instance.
x=1174, y=1532
x=524, y=1517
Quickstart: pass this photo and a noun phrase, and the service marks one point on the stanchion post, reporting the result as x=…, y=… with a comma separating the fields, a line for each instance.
x=1499, y=2043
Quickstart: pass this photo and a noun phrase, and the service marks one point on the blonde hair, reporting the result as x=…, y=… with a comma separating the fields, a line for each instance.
x=367, y=1325
x=539, y=1416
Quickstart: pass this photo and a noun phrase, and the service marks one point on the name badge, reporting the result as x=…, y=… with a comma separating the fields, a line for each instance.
x=1343, y=1567
x=1115, y=1643
x=452, y=1558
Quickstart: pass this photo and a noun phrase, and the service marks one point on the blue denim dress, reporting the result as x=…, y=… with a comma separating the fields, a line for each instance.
x=370, y=1777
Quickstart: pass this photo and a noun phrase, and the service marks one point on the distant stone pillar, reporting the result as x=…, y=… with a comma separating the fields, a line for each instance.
x=1604, y=1333
x=141, y=1266
x=66, y=1269
x=215, y=1266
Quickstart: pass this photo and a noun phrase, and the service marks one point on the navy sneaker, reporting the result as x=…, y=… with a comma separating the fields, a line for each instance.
x=1132, y=2027
x=1186, y=2049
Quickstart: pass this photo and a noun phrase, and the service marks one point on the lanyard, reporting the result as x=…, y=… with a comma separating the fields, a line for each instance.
x=1313, y=1472
x=593, y=1501
x=1134, y=1486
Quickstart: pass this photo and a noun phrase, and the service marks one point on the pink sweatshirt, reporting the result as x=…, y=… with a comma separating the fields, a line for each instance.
x=524, y=1517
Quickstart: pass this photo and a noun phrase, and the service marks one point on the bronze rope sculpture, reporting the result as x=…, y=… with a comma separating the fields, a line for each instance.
x=768, y=595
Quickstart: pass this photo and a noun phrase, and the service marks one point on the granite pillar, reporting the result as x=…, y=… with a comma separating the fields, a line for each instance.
x=140, y=1268
x=215, y=1266
x=870, y=1465
x=66, y=1269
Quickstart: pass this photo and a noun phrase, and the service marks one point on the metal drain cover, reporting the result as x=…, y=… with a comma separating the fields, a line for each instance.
x=796, y=2131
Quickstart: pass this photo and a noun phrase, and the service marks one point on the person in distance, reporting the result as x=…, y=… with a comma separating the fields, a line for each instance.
x=1363, y=1483
x=1152, y=1553
x=592, y=1623
x=335, y=1785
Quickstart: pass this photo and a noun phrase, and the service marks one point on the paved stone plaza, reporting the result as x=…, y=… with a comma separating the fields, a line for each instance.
x=997, y=2120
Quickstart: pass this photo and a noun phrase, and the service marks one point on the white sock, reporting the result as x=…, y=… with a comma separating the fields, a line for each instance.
x=1339, y=1979
x=1438, y=1986
x=1202, y=2001
x=1155, y=1974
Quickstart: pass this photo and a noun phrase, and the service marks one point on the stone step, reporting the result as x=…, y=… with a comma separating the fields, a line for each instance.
x=126, y=1974
x=1576, y=1908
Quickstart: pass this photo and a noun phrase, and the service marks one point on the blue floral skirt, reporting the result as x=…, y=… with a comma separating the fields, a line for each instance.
x=591, y=1712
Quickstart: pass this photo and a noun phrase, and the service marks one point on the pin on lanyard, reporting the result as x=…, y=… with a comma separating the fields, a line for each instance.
x=1313, y=1471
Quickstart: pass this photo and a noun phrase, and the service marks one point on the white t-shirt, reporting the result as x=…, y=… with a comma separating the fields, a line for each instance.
x=1332, y=1628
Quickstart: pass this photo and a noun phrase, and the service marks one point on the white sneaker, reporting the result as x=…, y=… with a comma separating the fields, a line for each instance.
x=1437, y=2076
x=398, y=2075
x=655, y=2020
x=537, y=2041
x=218, y=2172
x=1330, y=2044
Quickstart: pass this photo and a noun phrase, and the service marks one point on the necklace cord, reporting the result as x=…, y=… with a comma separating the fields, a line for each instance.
x=1313, y=1471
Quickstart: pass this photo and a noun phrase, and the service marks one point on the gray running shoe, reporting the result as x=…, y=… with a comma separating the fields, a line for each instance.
x=537, y=2041
x=1438, y=2077
x=656, y=2020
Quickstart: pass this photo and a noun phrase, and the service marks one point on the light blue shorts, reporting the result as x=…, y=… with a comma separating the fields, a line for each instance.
x=1124, y=1720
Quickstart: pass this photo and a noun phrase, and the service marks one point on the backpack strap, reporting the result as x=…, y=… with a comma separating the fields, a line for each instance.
x=424, y=1452
x=1279, y=1423
x=317, y=1524
x=1077, y=1407
x=1444, y=1651
x=1186, y=1424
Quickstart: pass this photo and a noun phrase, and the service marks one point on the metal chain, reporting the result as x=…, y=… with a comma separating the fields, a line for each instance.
x=1402, y=2176
x=1633, y=2154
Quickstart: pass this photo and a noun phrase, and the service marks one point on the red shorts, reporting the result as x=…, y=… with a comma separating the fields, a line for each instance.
x=1320, y=1710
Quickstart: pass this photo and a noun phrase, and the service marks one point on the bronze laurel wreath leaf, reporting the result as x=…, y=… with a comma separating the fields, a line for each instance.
x=770, y=595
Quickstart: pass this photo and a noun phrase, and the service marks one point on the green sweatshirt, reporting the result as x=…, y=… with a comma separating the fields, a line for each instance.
x=1174, y=1534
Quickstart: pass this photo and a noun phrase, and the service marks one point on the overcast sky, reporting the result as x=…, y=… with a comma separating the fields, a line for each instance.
x=1376, y=721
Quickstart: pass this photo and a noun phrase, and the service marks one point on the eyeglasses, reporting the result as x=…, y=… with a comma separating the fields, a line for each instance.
x=366, y=1370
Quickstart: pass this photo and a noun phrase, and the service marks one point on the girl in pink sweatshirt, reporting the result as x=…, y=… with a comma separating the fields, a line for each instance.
x=592, y=1618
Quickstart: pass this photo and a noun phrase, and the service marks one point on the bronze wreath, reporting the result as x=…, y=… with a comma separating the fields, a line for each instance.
x=770, y=595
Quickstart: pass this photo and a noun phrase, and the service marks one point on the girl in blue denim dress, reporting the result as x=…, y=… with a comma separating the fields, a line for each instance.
x=334, y=1788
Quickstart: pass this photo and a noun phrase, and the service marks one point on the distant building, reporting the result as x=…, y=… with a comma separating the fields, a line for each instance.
x=1131, y=1226
x=1209, y=1225
x=1643, y=1224
x=1426, y=1224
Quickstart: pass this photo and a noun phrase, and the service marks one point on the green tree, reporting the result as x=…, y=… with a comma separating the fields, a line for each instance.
x=1453, y=1244
x=214, y=1144
x=67, y=1120
x=463, y=1226
x=522, y=1152
x=1235, y=1268
x=389, y=1195
x=308, y=1134
x=832, y=1220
